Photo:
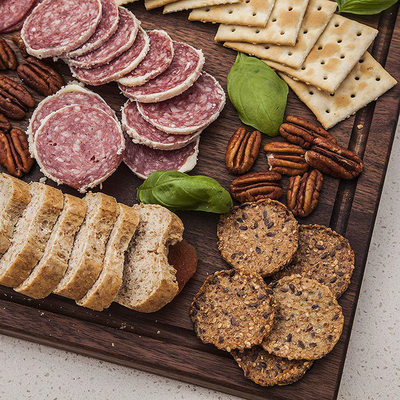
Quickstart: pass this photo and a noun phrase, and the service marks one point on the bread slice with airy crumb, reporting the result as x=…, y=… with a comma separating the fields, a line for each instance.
x=48, y=272
x=86, y=261
x=149, y=281
x=104, y=290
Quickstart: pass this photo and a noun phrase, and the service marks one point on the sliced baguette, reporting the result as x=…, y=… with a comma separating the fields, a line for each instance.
x=51, y=268
x=31, y=234
x=104, y=290
x=88, y=251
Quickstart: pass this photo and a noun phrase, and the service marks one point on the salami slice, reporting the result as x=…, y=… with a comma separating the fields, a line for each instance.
x=119, y=66
x=184, y=70
x=141, y=132
x=79, y=146
x=189, y=112
x=143, y=160
x=106, y=28
x=12, y=12
x=56, y=27
x=121, y=41
x=157, y=60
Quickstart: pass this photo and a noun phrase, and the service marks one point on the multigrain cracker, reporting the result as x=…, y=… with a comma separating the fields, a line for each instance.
x=309, y=320
x=233, y=310
x=191, y=4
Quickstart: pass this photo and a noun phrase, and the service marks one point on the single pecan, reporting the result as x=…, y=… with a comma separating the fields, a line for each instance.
x=303, y=193
x=286, y=158
x=8, y=60
x=15, y=100
x=256, y=186
x=20, y=44
x=14, y=152
x=298, y=130
x=242, y=151
x=4, y=123
x=40, y=77
x=334, y=160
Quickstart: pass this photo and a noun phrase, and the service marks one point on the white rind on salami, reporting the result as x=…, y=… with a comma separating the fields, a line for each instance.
x=56, y=27
x=12, y=12
x=184, y=70
x=118, y=67
x=121, y=41
x=189, y=112
x=141, y=132
x=143, y=160
x=157, y=60
x=106, y=28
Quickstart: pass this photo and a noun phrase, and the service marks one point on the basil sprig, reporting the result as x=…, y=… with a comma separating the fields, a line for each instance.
x=364, y=7
x=178, y=191
x=257, y=93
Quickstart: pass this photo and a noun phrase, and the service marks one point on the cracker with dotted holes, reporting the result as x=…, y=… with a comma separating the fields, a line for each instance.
x=282, y=28
x=335, y=54
x=191, y=4
x=151, y=4
x=232, y=310
x=316, y=18
x=308, y=319
x=248, y=12
x=366, y=82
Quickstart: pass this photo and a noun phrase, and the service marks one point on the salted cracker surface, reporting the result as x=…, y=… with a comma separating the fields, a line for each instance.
x=191, y=4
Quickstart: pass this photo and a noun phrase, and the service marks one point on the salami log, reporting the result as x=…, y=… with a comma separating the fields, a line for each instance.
x=79, y=146
x=184, y=70
x=12, y=12
x=189, y=112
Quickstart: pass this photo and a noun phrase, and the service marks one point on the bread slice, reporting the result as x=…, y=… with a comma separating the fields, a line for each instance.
x=31, y=234
x=87, y=255
x=149, y=281
x=104, y=290
x=51, y=268
x=14, y=197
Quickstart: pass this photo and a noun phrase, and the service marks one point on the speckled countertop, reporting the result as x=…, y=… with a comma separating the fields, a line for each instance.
x=372, y=368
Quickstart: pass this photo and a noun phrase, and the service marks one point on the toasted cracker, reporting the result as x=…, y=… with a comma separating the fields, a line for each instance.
x=191, y=4
x=282, y=28
x=150, y=4
x=318, y=14
x=365, y=83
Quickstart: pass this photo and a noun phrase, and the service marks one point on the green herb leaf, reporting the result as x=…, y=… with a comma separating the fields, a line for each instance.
x=364, y=7
x=257, y=93
x=178, y=191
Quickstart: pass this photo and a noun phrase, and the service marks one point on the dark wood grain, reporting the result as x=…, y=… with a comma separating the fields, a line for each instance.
x=164, y=342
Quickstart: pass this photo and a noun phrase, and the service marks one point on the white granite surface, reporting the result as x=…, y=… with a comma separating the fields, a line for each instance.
x=372, y=369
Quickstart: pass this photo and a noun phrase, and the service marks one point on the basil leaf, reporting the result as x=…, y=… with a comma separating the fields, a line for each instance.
x=364, y=7
x=257, y=93
x=178, y=191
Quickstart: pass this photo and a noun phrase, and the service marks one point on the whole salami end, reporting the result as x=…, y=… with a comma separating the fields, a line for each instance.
x=79, y=146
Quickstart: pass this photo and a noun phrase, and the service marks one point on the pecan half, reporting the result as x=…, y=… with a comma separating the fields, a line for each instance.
x=40, y=77
x=256, y=186
x=334, y=160
x=285, y=158
x=14, y=152
x=242, y=151
x=303, y=193
x=8, y=60
x=20, y=44
x=4, y=123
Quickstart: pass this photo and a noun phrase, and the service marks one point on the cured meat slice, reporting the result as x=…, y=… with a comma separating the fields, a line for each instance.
x=12, y=12
x=106, y=28
x=119, y=66
x=189, y=112
x=56, y=27
x=157, y=60
x=79, y=146
x=143, y=160
x=141, y=132
x=184, y=70
x=121, y=41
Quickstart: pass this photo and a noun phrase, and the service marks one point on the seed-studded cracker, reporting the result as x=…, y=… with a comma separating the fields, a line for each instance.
x=247, y=12
x=232, y=310
x=308, y=320
x=260, y=237
x=282, y=27
x=150, y=4
x=366, y=82
x=267, y=370
x=191, y=4
x=318, y=14
x=335, y=54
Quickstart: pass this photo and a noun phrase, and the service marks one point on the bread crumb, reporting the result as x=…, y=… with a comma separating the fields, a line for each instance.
x=360, y=126
x=113, y=344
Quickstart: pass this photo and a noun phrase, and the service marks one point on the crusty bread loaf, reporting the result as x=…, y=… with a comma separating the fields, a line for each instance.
x=51, y=268
x=86, y=261
x=149, y=281
x=31, y=234
x=104, y=290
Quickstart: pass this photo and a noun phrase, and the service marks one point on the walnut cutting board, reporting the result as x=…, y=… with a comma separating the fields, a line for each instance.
x=164, y=342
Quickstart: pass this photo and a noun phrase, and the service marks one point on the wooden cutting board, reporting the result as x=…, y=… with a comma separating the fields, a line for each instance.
x=164, y=342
